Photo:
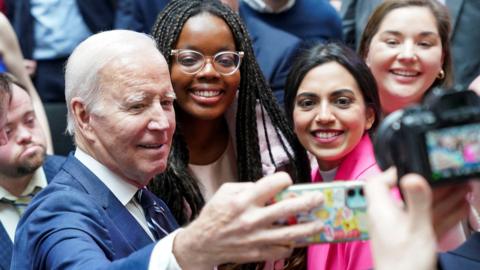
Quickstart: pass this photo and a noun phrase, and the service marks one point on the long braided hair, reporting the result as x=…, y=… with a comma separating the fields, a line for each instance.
x=176, y=186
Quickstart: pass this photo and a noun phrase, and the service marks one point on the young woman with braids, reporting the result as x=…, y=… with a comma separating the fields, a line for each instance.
x=229, y=127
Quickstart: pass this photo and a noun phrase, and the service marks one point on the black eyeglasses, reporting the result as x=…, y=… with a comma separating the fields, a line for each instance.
x=191, y=62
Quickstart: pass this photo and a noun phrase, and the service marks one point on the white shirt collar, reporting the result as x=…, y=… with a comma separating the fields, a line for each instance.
x=122, y=190
x=38, y=180
x=260, y=6
x=329, y=175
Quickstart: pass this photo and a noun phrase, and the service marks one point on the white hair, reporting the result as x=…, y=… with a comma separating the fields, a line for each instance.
x=83, y=67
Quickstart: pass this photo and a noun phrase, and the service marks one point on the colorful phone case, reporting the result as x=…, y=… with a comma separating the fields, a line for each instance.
x=343, y=211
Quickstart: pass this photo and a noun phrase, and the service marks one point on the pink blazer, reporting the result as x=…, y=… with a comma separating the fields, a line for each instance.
x=359, y=163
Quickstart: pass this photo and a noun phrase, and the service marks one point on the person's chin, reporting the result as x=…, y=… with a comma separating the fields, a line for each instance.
x=149, y=168
x=404, y=93
x=30, y=165
x=159, y=167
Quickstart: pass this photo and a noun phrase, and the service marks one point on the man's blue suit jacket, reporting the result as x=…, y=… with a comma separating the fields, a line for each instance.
x=274, y=50
x=312, y=21
x=467, y=256
x=51, y=166
x=77, y=223
x=138, y=15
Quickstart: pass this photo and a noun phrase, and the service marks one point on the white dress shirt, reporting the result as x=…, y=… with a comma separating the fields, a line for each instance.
x=162, y=255
x=9, y=216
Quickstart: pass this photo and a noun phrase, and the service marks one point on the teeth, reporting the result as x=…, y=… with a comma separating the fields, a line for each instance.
x=405, y=73
x=206, y=93
x=327, y=135
x=151, y=145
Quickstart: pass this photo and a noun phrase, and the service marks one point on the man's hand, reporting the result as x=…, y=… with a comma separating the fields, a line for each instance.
x=474, y=217
x=237, y=225
x=401, y=238
x=450, y=206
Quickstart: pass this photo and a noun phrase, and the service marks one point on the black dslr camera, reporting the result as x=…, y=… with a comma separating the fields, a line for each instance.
x=439, y=139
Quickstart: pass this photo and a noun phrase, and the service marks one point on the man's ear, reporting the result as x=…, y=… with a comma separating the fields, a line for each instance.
x=82, y=118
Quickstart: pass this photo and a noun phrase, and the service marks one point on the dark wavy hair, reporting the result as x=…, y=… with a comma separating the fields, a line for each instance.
x=341, y=54
x=321, y=54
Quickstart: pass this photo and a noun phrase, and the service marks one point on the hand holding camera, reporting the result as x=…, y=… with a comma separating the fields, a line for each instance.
x=439, y=139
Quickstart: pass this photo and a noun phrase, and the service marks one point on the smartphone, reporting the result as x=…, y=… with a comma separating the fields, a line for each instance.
x=343, y=211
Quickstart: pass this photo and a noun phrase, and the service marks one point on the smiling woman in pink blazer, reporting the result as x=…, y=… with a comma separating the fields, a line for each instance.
x=358, y=164
x=331, y=100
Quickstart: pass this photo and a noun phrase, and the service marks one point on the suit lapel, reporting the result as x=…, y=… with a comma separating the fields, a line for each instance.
x=52, y=165
x=251, y=25
x=130, y=230
x=357, y=161
x=5, y=249
x=454, y=7
x=470, y=248
x=126, y=224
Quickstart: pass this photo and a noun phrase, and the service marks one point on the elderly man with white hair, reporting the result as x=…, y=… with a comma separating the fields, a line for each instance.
x=97, y=213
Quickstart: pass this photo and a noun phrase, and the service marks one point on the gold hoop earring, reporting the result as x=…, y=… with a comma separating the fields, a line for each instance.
x=441, y=75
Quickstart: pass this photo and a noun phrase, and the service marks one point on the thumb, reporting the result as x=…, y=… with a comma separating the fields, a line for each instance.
x=268, y=186
x=418, y=197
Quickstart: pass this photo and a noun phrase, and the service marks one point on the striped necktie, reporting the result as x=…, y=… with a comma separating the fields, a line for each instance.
x=154, y=213
x=21, y=202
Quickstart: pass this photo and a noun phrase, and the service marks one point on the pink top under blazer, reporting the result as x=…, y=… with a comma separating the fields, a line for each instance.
x=359, y=164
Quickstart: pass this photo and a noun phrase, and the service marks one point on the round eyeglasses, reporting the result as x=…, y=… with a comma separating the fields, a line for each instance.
x=191, y=62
